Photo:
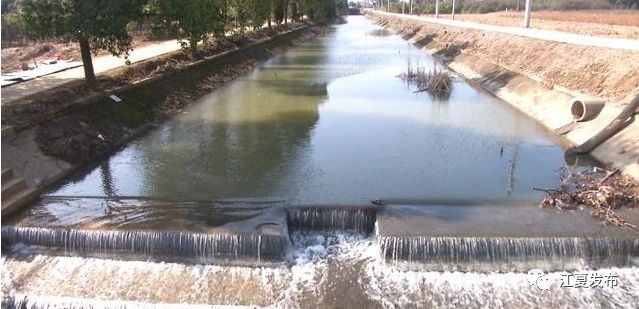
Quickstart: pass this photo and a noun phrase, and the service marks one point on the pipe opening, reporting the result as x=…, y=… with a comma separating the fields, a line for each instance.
x=586, y=109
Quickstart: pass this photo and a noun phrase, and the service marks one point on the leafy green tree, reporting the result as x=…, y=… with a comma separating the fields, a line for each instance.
x=260, y=12
x=239, y=12
x=95, y=24
x=191, y=20
x=278, y=11
x=320, y=9
x=253, y=13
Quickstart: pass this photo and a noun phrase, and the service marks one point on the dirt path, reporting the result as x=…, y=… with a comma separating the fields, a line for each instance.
x=606, y=23
x=100, y=64
x=546, y=35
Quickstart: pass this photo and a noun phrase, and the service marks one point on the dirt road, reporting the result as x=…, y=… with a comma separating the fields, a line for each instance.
x=546, y=35
x=605, y=23
x=100, y=64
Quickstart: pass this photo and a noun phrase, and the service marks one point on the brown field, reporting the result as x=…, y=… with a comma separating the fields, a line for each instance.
x=609, y=17
x=609, y=23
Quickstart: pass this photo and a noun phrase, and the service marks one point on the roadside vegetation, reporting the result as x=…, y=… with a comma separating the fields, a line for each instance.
x=109, y=25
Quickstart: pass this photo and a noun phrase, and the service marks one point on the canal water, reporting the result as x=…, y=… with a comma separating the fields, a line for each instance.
x=330, y=122
x=326, y=122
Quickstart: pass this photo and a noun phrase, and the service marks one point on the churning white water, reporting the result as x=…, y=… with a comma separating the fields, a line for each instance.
x=344, y=270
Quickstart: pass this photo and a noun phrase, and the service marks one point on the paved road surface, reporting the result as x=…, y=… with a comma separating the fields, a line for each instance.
x=547, y=35
x=100, y=64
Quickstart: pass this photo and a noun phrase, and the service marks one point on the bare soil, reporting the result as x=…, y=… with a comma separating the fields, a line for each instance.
x=16, y=58
x=607, y=23
x=597, y=71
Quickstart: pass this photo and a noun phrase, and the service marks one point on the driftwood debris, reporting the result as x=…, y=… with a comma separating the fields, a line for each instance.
x=602, y=191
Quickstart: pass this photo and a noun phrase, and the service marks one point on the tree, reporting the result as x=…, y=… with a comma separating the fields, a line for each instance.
x=260, y=13
x=285, y=12
x=278, y=11
x=320, y=9
x=95, y=24
x=191, y=20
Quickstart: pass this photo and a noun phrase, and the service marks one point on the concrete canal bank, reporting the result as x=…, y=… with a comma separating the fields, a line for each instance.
x=540, y=78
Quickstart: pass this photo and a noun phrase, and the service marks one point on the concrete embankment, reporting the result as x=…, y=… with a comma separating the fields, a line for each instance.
x=57, y=132
x=540, y=78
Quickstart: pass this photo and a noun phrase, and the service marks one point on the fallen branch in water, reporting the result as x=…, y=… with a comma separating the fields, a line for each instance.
x=602, y=191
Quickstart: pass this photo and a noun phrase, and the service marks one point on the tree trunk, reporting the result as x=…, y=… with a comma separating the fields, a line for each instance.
x=270, y=13
x=295, y=16
x=193, y=46
x=285, y=12
x=85, y=51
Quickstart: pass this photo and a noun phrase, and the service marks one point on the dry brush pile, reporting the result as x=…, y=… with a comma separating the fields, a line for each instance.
x=602, y=191
x=435, y=82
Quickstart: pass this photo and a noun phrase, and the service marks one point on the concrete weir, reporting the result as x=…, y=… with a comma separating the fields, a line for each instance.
x=500, y=238
x=462, y=236
x=246, y=233
x=331, y=218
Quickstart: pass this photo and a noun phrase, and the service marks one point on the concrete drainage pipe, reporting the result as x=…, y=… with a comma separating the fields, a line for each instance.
x=584, y=109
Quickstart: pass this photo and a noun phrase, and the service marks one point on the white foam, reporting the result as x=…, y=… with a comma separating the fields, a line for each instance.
x=312, y=278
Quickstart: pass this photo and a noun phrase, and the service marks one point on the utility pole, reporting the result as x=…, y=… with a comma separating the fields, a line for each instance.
x=527, y=13
x=453, y=12
x=436, y=8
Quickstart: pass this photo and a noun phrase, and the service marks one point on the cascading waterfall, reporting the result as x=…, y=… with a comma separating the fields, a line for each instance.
x=161, y=245
x=331, y=219
x=340, y=271
x=507, y=254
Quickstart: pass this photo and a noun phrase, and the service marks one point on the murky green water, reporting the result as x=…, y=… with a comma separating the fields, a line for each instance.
x=330, y=122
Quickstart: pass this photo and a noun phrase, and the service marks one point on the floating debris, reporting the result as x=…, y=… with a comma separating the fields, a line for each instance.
x=601, y=190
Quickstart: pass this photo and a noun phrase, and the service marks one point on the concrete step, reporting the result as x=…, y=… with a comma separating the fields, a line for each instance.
x=11, y=187
x=7, y=174
x=14, y=203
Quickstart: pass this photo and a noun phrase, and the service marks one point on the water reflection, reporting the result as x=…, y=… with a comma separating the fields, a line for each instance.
x=330, y=122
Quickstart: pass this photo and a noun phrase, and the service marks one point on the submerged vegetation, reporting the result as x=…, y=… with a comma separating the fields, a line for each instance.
x=602, y=191
x=435, y=82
